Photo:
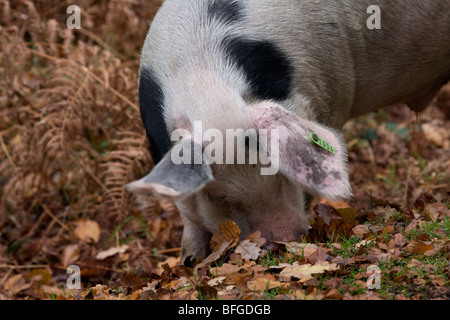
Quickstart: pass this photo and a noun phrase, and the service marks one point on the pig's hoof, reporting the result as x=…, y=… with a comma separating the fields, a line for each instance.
x=188, y=261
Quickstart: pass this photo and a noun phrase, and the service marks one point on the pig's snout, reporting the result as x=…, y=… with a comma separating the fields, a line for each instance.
x=282, y=226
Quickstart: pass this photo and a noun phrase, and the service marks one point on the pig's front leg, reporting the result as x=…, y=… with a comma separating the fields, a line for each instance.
x=194, y=243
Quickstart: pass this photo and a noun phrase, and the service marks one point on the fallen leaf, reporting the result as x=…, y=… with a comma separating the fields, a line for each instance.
x=363, y=243
x=361, y=229
x=216, y=281
x=16, y=284
x=225, y=270
x=423, y=200
x=248, y=250
x=335, y=204
x=434, y=134
x=411, y=226
x=327, y=213
x=443, y=247
x=399, y=240
x=207, y=292
x=417, y=246
x=151, y=286
x=87, y=230
x=433, y=211
x=318, y=255
x=305, y=249
x=42, y=276
x=341, y=262
x=177, y=284
x=111, y=252
x=229, y=232
x=261, y=284
x=383, y=246
x=337, y=246
x=351, y=215
x=129, y=280
x=388, y=229
x=257, y=239
x=304, y=272
x=168, y=264
x=438, y=282
x=333, y=294
x=230, y=293
x=328, y=224
x=97, y=292
x=214, y=256
x=333, y=282
x=70, y=254
x=51, y=290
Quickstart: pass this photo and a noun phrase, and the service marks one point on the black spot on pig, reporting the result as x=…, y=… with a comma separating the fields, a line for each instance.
x=266, y=67
x=226, y=11
x=313, y=160
x=151, y=101
x=336, y=175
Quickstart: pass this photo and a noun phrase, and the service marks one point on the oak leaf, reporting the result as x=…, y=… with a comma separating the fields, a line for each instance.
x=304, y=272
x=248, y=250
x=87, y=230
x=229, y=232
x=111, y=252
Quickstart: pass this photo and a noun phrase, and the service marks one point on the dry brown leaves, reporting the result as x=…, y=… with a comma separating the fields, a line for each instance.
x=246, y=269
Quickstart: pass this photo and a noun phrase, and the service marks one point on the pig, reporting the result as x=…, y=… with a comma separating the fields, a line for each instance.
x=297, y=69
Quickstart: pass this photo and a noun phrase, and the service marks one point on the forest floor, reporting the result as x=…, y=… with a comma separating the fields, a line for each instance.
x=71, y=137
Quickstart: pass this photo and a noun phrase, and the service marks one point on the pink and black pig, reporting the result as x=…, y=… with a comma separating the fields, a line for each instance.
x=279, y=79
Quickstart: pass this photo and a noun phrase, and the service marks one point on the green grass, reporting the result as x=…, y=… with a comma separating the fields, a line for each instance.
x=430, y=229
x=130, y=235
x=349, y=248
x=274, y=259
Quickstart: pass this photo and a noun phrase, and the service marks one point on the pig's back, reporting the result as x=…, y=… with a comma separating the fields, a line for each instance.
x=316, y=58
x=347, y=69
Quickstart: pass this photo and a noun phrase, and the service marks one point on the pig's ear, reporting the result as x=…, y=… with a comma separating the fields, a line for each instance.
x=309, y=154
x=181, y=172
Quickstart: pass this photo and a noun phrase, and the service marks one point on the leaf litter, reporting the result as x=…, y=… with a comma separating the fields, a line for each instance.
x=247, y=269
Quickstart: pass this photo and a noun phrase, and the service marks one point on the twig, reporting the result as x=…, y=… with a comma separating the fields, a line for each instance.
x=55, y=218
x=438, y=186
x=88, y=266
x=5, y=150
x=6, y=276
x=34, y=227
x=100, y=42
x=117, y=93
x=371, y=154
x=168, y=250
x=408, y=178
x=25, y=266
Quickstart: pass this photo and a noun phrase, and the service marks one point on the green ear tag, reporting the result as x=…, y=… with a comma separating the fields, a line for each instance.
x=316, y=139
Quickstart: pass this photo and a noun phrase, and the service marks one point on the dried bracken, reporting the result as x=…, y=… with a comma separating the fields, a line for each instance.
x=70, y=130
